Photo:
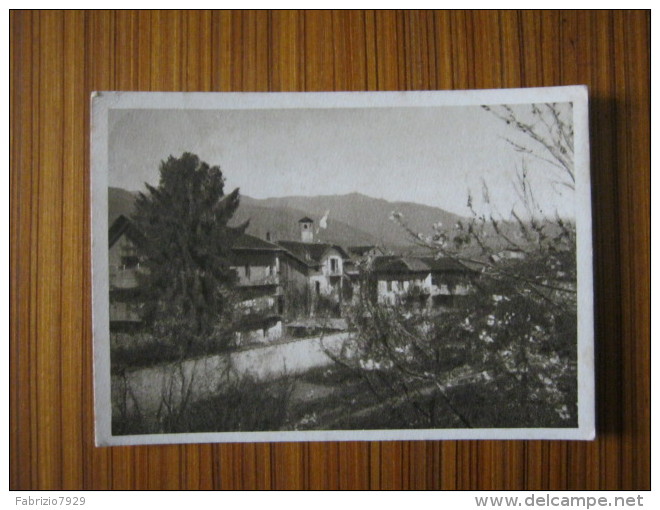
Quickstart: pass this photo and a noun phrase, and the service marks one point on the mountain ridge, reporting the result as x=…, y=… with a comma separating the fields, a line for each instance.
x=371, y=215
x=353, y=219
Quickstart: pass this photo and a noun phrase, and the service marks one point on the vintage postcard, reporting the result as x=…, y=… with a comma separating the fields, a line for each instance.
x=342, y=266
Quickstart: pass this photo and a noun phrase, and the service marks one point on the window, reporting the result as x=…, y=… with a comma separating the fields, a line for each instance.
x=334, y=265
x=247, y=271
x=318, y=287
x=389, y=285
x=129, y=262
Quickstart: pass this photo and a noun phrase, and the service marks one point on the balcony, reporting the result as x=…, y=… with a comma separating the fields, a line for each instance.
x=123, y=312
x=259, y=281
x=259, y=306
x=123, y=278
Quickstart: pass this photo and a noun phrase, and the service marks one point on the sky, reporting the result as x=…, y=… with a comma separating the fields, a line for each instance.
x=433, y=156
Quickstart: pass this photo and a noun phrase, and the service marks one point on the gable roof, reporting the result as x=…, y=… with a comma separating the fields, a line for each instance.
x=122, y=225
x=310, y=253
x=403, y=264
x=444, y=264
x=399, y=264
x=360, y=251
x=250, y=242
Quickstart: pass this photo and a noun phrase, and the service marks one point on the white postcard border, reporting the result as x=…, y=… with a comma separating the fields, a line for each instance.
x=102, y=102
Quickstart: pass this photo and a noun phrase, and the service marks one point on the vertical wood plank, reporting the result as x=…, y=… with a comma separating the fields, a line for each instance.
x=73, y=264
x=263, y=463
x=318, y=51
x=321, y=464
x=386, y=51
x=49, y=254
x=444, y=42
x=607, y=256
x=285, y=51
x=353, y=465
x=371, y=55
x=22, y=71
x=287, y=466
x=487, y=41
x=514, y=460
x=511, y=61
x=99, y=65
x=125, y=50
x=635, y=250
x=418, y=465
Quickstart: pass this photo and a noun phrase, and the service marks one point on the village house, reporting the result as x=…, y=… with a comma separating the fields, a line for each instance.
x=123, y=266
x=257, y=266
x=314, y=273
x=279, y=284
x=261, y=302
x=360, y=257
x=420, y=282
x=363, y=252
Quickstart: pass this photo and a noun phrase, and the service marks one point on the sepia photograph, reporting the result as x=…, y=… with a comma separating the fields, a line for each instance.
x=342, y=266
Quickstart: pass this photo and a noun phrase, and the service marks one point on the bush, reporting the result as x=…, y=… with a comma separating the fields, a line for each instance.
x=142, y=349
x=243, y=405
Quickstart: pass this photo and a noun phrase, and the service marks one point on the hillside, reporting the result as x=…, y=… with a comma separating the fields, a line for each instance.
x=120, y=202
x=282, y=223
x=354, y=219
x=367, y=214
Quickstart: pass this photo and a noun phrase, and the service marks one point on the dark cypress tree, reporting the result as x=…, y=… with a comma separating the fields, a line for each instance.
x=185, y=248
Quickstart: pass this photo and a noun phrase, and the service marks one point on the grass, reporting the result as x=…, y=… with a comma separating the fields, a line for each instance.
x=337, y=398
x=140, y=350
x=352, y=405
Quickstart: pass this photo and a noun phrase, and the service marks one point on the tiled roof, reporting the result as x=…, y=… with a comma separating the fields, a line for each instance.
x=443, y=264
x=250, y=242
x=244, y=242
x=401, y=264
x=310, y=253
x=122, y=225
x=359, y=251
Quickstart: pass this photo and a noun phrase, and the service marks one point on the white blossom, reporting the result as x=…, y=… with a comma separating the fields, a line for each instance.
x=485, y=337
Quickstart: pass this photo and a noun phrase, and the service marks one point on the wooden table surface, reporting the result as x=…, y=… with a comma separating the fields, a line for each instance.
x=58, y=58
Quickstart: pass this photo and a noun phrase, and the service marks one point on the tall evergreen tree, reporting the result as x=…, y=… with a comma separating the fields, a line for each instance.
x=185, y=248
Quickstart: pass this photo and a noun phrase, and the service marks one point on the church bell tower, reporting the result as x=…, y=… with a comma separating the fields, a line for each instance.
x=306, y=230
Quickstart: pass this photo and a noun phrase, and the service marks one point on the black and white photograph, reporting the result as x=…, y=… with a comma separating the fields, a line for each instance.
x=342, y=266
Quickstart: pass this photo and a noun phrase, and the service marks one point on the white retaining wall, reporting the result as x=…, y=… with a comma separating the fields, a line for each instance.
x=150, y=392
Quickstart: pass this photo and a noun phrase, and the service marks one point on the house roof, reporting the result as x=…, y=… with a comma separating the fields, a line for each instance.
x=444, y=264
x=306, y=219
x=310, y=253
x=399, y=264
x=359, y=251
x=122, y=225
x=402, y=264
x=250, y=242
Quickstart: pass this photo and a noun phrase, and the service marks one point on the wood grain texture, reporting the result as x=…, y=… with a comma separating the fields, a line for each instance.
x=58, y=58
